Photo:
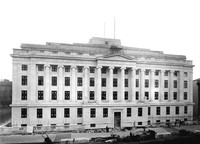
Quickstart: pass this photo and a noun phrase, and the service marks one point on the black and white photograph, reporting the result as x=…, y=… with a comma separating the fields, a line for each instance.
x=99, y=71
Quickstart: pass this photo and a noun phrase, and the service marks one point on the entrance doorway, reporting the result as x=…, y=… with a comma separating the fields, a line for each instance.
x=117, y=119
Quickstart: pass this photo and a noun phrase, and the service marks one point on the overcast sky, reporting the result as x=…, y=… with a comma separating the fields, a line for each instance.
x=172, y=26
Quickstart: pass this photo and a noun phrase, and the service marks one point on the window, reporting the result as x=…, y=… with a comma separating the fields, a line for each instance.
x=105, y=112
x=149, y=110
x=23, y=125
x=114, y=95
x=103, y=95
x=115, y=71
x=185, y=95
x=24, y=67
x=66, y=113
x=92, y=112
x=166, y=83
x=185, y=109
x=92, y=69
x=126, y=95
x=156, y=83
x=157, y=73
x=175, y=73
x=103, y=82
x=54, y=95
x=166, y=73
x=137, y=95
x=146, y=72
x=157, y=110
x=24, y=95
x=92, y=82
x=79, y=81
x=128, y=112
x=156, y=95
x=67, y=81
x=139, y=123
x=175, y=95
x=103, y=70
x=126, y=82
x=40, y=67
x=146, y=95
x=54, y=81
x=92, y=125
x=126, y=71
x=139, y=111
x=40, y=80
x=39, y=113
x=165, y=95
x=67, y=95
x=185, y=74
x=79, y=112
x=80, y=69
x=115, y=82
x=40, y=95
x=23, y=113
x=67, y=68
x=55, y=52
x=54, y=68
x=167, y=110
x=177, y=110
x=175, y=83
x=79, y=95
x=91, y=95
x=53, y=113
x=24, y=80
x=137, y=72
x=137, y=82
x=185, y=84
x=146, y=83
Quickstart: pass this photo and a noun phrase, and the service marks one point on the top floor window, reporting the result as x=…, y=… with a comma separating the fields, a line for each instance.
x=40, y=67
x=115, y=71
x=185, y=84
x=166, y=73
x=24, y=80
x=126, y=71
x=54, y=68
x=67, y=68
x=185, y=74
x=137, y=72
x=146, y=72
x=175, y=73
x=80, y=69
x=92, y=70
x=103, y=70
x=157, y=73
x=24, y=67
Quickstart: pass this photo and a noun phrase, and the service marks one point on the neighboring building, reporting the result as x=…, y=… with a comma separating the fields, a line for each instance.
x=99, y=84
x=5, y=93
x=196, y=96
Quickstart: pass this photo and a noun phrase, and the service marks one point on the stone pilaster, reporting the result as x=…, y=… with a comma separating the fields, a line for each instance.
x=142, y=85
x=161, y=92
x=171, y=85
x=122, y=84
x=111, y=84
x=31, y=81
x=133, y=84
x=98, y=87
x=60, y=83
x=73, y=84
x=86, y=84
x=47, y=83
x=152, y=85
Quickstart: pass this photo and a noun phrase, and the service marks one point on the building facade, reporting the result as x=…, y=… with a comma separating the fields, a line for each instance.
x=99, y=84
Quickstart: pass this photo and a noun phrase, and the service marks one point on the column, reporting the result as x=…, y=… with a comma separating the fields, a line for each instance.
x=86, y=85
x=73, y=83
x=180, y=86
x=111, y=84
x=152, y=84
x=161, y=95
x=31, y=81
x=47, y=83
x=142, y=85
x=171, y=85
x=122, y=84
x=98, y=87
x=60, y=83
x=133, y=84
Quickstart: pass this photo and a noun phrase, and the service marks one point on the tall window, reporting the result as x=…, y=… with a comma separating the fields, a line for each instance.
x=156, y=95
x=92, y=82
x=105, y=112
x=80, y=69
x=156, y=83
x=24, y=113
x=54, y=81
x=167, y=110
x=136, y=95
x=177, y=110
x=40, y=67
x=103, y=70
x=103, y=95
x=166, y=83
x=115, y=82
x=175, y=83
x=114, y=95
x=66, y=113
x=91, y=95
x=40, y=95
x=137, y=82
x=103, y=82
x=146, y=95
x=128, y=112
x=185, y=95
x=54, y=68
x=67, y=95
x=79, y=81
x=24, y=80
x=39, y=113
x=79, y=95
x=67, y=81
x=92, y=70
x=40, y=80
x=175, y=95
x=24, y=67
x=53, y=113
x=137, y=72
x=126, y=71
x=92, y=112
x=185, y=84
x=24, y=94
x=165, y=95
x=139, y=111
x=149, y=110
x=126, y=82
x=157, y=110
x=115, y=71
x=146, y=83
x=54, y=95
x=126, y=95
x=157, y=73
x=67, y=68
x=175, y=73
x=185, y=109
x=79, y=112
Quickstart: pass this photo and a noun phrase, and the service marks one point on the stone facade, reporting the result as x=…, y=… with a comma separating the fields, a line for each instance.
x=99, y=84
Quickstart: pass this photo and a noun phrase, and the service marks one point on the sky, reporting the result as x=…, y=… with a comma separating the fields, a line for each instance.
x=171, y=26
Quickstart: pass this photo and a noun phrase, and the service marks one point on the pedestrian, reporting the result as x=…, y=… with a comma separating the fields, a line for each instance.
x=107, y=129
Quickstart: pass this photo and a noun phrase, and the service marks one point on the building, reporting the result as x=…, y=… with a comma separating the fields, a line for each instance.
x=196, y=98
x=5, y=93
x=99, y=84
